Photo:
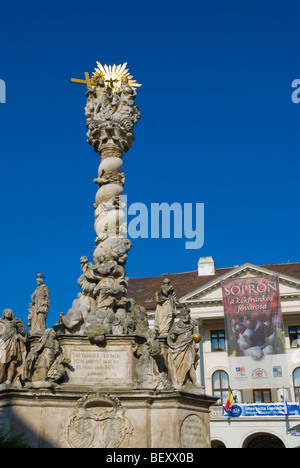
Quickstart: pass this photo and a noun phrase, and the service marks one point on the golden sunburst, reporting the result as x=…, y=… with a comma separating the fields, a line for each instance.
x=113, y=76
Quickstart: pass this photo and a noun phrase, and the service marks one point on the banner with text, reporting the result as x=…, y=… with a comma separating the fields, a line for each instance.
x=255, y=334
x=261, y=409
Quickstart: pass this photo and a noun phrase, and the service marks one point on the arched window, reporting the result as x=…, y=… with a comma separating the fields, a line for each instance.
x=220, y=385
x=296, y=380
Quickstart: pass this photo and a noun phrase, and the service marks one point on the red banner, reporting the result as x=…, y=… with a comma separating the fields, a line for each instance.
x=254, y=332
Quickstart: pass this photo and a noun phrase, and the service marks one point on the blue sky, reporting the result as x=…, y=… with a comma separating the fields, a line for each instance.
x=218, y=127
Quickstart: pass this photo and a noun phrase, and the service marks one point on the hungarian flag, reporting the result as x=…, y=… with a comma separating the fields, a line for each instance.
x=228, y=403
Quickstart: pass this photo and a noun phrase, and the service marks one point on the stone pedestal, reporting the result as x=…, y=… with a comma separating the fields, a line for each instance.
x=97, y=405
x=132, y=419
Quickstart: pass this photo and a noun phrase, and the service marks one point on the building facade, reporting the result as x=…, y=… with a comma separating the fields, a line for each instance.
x=201, y=291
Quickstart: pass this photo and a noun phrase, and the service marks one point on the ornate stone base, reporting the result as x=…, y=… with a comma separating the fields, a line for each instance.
x=98, y=405
x=133, y=419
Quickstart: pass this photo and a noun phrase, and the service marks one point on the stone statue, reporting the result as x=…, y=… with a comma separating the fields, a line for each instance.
x=183, y=354
x=109, y=215
x=57, y=371
x=111, y=116
x=139, y=318
x=113, y=248
x=99, y=323
x=103, y=287
x=42, y=361
x=166, y=307
x=73, y=321
x=88, y=281
x=148, y=368
x=39, y=307
x=13, y=338
x=107, y=289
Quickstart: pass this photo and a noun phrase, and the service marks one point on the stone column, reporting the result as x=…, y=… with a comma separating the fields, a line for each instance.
x=111, y=116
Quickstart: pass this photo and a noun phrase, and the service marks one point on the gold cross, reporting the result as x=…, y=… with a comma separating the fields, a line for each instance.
x=87, y=80
x=111, y=81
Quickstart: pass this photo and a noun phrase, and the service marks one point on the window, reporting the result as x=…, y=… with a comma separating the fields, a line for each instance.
x=262, y=396
x=217, y=340
x=296, y=380
x=294, y=334
x=220, y=384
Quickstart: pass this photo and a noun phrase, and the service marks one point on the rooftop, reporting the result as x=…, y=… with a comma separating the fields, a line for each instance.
x=143, y=289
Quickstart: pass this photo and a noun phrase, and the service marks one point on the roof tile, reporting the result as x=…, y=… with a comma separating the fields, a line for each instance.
x=143, y=289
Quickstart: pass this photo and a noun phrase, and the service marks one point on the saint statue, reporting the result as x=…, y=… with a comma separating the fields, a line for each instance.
x=183, y=353
x=13, y=337
x=39, y=307
x=40, y=359
x=166, y=308
x=150, y=368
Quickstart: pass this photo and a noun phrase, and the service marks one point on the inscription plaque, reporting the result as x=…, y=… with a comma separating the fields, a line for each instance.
x=99, y=366
x=193, y=433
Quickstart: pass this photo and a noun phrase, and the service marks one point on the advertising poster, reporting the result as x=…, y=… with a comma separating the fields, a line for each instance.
x=254, y=331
